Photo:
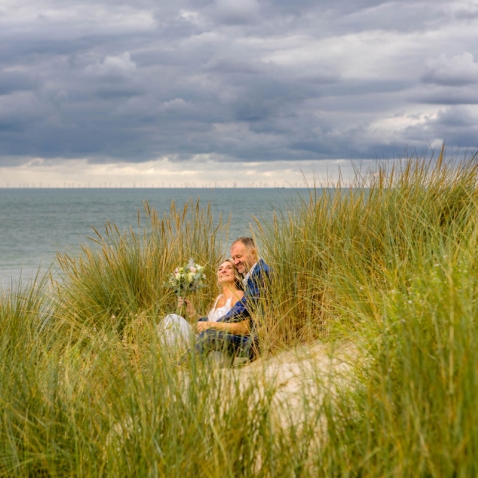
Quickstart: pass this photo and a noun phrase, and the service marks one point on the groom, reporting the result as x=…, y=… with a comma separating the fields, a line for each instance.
x=256, y=276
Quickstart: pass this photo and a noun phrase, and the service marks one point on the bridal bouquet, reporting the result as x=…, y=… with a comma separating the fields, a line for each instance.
x=186, y=279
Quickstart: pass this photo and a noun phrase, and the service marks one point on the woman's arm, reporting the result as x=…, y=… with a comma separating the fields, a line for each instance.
x=237, y=328
x=191, y=313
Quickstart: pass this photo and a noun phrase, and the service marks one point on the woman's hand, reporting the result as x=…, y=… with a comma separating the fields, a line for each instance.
x=190, y=310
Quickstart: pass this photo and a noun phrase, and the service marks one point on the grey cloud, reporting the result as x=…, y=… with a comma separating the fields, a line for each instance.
x=343, y=17
x=456, y=71
x=445, y=96
x=339, y=7
x=16, y=81
x=234, y=66
x=456, y=126
x=232, y=12
x=252, y=80
x=455, y=117
x=467, y=14
x=112, y=67
x=406, y=16
x=318, y=78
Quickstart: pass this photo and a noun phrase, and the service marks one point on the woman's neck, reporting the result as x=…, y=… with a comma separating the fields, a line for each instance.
x=228, y=290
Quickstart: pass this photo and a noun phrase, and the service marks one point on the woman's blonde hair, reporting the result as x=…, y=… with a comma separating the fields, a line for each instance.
x=238, y=279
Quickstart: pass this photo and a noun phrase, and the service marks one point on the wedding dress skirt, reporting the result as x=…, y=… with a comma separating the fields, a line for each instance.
x=175, y=332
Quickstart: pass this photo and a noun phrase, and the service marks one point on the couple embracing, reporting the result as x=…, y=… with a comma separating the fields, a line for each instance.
x=229, y=326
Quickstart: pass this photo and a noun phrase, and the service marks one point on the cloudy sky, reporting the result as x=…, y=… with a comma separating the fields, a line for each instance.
x=116, y=92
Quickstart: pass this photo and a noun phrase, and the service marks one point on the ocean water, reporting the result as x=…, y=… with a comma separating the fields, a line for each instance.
x=35, y=224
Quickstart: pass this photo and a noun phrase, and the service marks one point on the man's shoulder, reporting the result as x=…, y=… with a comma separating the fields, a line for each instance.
x=262, y=266
x=260, y=269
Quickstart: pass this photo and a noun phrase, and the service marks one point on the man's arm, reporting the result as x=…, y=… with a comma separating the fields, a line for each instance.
x=237, y=328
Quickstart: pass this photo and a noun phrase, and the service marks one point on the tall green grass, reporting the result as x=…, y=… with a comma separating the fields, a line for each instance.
x=121, y=279
x=338, y=255
x=386, y=269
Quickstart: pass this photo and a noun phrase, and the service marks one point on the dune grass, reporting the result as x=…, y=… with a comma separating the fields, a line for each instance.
x=122, y=277
x=388, y=266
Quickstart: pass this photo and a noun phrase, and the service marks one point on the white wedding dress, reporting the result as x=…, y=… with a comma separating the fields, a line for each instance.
x=175, y=332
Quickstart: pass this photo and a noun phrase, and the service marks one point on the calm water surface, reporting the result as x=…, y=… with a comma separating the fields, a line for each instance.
x=36, y=223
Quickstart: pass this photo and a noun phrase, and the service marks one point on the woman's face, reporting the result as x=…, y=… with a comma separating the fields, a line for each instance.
x=225, y=273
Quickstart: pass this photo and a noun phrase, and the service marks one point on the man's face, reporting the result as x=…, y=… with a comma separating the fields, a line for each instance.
x=244, y=258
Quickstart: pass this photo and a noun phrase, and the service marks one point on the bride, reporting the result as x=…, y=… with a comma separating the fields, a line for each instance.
x=177, y=332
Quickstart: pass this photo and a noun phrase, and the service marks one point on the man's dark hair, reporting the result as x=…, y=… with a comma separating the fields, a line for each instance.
x=246, y=241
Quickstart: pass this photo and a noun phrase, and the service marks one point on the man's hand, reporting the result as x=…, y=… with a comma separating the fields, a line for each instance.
x=202, y=326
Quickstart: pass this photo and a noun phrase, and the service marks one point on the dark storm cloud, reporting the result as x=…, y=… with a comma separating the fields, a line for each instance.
x=254, y=80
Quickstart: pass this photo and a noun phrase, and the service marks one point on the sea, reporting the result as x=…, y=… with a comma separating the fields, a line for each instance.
x=37, y=223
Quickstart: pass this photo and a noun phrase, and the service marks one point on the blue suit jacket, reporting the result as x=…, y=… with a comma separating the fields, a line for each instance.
x=253, y=291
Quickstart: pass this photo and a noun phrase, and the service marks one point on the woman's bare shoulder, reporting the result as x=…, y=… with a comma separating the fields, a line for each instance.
x=238, y=295
x=217, y=301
